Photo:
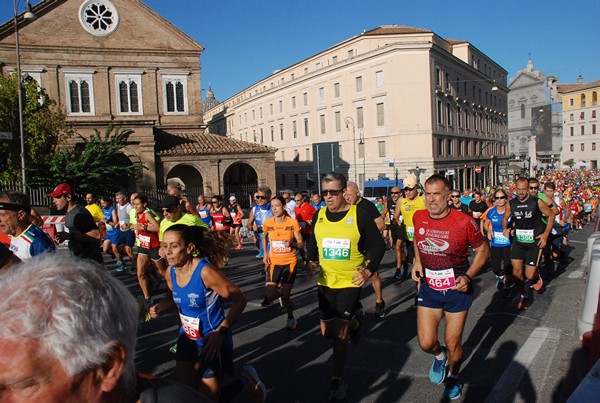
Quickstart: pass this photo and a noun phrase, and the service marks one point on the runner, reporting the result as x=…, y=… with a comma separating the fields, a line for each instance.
x=530, y=237
x=126, y=237
x=395, y=229
x=185, y=206
x=92, y=207
x=353, y=197
x=220, y=216
x=499, y=244
x=259, y=214
x=147, y=229
x=349, y=248
x=203, y=208
x=477, y=207
x=237, y=214
x=304, y=214
x=172, y=215
x=83, y=235
x=110, y=225
x=205, y=345
x=317, y=202
x=443, y=273
x=456, y=204
x=290, y=204
x=26, y=239
x=409, y=205
x=553, y=252
x=281, y=239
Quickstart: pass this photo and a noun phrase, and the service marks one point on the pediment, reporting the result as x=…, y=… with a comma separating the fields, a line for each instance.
x=139, y=29
x=523, y=79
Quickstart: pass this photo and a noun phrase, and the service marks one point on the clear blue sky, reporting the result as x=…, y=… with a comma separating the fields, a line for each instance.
x=246, y=41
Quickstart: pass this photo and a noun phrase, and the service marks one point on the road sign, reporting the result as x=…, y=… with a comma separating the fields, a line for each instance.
x=5, y=136
x=478, y=169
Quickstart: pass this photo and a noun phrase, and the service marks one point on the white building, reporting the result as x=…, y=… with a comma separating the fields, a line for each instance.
x=387, y=101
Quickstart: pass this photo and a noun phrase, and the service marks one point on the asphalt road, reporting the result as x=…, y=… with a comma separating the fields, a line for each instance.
x=509, y=356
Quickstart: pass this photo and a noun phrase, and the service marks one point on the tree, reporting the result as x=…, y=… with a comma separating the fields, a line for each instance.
x=569, y=163
x=44, y=127
x=97, y=164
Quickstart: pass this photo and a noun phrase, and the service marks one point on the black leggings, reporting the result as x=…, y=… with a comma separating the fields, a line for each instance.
x=500, y=260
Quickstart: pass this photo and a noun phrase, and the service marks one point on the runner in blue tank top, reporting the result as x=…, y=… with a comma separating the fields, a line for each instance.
x=499, y=243
x=260, y=213
x=205, y=347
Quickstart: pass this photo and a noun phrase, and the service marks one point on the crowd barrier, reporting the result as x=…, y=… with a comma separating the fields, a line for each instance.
x=588, y=323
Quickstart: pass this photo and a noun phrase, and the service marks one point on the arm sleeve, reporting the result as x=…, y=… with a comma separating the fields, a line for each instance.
x=371, y=242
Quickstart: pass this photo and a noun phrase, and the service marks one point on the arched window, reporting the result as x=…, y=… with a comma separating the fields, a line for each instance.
x=522, y=111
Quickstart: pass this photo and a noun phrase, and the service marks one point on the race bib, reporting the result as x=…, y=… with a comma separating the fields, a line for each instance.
x=203, y=214
x=336, y=249
x=410, y=233
x=476, y=214
x=279, y=247
x=440, y=280
x=219, y=225
x=191, y=326
x=500, y=239
x=524, y=235
x=144, y=241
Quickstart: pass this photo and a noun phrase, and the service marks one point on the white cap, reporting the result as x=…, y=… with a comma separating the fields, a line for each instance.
x=232, y=198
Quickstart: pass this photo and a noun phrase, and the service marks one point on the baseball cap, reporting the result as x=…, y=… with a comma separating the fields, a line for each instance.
x=409, y=182
x=169, y=202
x=232, y=198
x=62, y=189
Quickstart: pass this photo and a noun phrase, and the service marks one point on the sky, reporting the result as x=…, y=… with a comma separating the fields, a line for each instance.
x=246, y=41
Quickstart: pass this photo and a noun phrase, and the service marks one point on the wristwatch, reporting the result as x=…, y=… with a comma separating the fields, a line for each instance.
x=224, y=330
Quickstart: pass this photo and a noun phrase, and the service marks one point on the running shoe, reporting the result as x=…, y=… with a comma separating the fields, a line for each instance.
x=280, y=302
x=405, y=274
x=259, y=256
x=355, y=327
x=438, y=372
x=265, y=302
x=257, y=389
x=523, y=303
x=119, y=266
x=380, y=309
x=500, y=283
x=337, y=391
x=398, y=274
x=453, y=389
x=291, y=324
x=539, y=284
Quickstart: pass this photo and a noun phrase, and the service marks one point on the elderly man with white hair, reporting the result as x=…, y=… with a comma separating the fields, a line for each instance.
x=67, y=334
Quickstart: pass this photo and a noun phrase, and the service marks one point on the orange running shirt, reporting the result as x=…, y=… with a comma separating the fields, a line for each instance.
x=277, y=234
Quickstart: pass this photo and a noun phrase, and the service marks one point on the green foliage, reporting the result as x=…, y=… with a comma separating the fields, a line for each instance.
x=44, y=127
x=96, y=164
x=569, y=163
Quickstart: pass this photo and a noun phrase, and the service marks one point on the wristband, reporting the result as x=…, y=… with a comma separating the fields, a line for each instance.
x=467, y=276
x=224, y=330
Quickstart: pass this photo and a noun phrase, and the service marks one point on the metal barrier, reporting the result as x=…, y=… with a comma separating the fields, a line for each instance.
x=589, y=322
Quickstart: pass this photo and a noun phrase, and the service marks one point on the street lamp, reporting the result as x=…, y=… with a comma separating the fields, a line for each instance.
x=349, y=121
x=27, y=16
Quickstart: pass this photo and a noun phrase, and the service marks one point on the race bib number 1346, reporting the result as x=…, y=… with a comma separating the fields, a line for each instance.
x=336, y=249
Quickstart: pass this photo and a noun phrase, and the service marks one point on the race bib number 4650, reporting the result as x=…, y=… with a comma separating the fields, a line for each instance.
x=336, y=249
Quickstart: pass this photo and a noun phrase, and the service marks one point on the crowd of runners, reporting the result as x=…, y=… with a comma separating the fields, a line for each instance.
x=441, y=239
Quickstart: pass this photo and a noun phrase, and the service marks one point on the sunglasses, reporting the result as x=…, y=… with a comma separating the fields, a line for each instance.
x=534, y=187
x=169, y=210
x=395, y=193
x=409, y=189
x=455, y=196
x=500, y=197
x=260, y=197
x=214, y=201
x=331, y=192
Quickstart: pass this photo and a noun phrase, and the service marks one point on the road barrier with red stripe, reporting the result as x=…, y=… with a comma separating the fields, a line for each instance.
x=53, y=224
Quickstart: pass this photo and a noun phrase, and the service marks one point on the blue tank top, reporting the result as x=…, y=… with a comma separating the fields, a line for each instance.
x=498, y=240
x=204, y=214
x=107, y=213
x=262, y=214
x=200, y=308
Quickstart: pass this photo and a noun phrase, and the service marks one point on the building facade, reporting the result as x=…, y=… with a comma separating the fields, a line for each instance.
x=580, y=124
x=390, y=101
x=119, y=63
x=534, y=120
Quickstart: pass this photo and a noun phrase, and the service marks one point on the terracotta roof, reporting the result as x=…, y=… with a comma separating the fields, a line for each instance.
x=204, y=143
x=578, y=87
x=396, y=29
x=455, y=41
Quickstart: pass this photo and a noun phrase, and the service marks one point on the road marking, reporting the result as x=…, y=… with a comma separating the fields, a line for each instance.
x=572, y=241
x=508, y=383
x=581, y=269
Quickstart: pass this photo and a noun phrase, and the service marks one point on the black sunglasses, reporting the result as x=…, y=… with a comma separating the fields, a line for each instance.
x=534, y=187
x=331, y=192
x=500, y=197
x=455, y=196
x=395, y=193
x=260, y=197
x=214, y=201
x=409, y=189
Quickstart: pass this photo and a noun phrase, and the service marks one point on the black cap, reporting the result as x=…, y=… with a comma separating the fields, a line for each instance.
x=169, y=202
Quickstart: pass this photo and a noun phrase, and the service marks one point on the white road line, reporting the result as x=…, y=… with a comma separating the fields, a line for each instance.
x=505, y=388
x=581, y=269
x=572, y=241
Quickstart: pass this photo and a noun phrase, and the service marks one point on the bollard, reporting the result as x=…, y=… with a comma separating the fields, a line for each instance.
x=592, y=291
x=590, y=245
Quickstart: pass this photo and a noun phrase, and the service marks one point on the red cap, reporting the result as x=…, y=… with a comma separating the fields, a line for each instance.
x=62, y=189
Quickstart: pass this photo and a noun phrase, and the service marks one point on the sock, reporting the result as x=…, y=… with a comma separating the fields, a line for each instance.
x=453, y=376
x=441, y=356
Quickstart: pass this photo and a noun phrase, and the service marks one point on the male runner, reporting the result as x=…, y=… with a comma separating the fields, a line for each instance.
x=353, y=197
x=443, y=273
x=410, y=204
x=26, y=239
x=349, y=248
x=530, y=237
x=394, y=227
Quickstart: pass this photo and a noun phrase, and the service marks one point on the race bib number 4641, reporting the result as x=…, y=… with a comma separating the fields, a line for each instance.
x=336, y=249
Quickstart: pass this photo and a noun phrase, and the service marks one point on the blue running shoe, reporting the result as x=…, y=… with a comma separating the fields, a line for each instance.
x=119, y=266
x=437, y=373
x=453, y=389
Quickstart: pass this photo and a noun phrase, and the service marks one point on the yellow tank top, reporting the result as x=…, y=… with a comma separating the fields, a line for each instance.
x=407, y=209
x=338, y=249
